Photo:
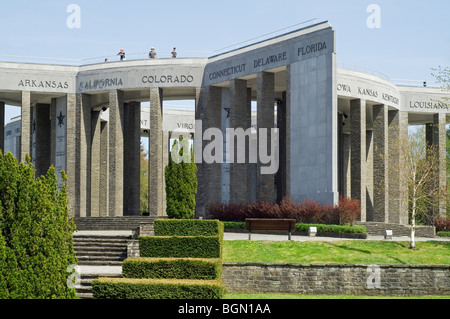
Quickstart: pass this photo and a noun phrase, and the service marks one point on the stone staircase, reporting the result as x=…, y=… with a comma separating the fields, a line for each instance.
x=102, y=242
x=84, y=287
x=111, y=223
x=101, y=250
x=98, y=252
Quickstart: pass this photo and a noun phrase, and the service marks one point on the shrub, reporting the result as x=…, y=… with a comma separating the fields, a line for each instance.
x=321, y=228
x=443, y=234
x=188, y=227
x=332, y=228
x=442, y=224
x=181, y=247
x=308, y=211
x=36, y=245
x=176, y=268
x=123, y=288
x=349, y=210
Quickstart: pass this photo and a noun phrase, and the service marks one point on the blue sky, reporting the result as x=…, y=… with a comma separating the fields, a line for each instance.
x=412, y=40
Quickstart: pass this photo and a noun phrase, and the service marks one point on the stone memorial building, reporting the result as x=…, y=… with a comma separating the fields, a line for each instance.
x=335, y=126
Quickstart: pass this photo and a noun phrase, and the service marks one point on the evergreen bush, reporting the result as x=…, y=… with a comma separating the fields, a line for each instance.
x=36, y=245
x=181, y=182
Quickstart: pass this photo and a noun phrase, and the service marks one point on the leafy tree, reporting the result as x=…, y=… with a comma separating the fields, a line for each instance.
x=181, y=181
x=419, y=175
x=36, y=246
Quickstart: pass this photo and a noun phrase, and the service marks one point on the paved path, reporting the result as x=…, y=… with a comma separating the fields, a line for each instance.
x=282, y=237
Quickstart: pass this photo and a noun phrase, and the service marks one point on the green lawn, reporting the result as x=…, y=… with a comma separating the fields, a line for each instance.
x=364, y=252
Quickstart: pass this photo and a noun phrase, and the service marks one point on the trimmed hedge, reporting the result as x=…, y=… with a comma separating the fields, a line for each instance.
x=188, y=227
x=158, y=268
x=305, y=227
x=332, y=228
x=123, y=288
x=181, y=247
x=443, y=234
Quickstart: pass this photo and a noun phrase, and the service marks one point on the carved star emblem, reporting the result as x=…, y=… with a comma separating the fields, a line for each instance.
x=61, y=118
x=227, y=109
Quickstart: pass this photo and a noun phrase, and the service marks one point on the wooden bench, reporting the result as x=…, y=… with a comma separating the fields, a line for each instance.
x=270, y=224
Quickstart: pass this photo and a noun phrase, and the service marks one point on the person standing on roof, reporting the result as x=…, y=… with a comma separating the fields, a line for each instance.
x=122, y=55
x=152, y=54
x=174, y=53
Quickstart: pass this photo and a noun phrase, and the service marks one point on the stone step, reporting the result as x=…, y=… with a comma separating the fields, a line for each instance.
x=84, y=286
x=111, y=223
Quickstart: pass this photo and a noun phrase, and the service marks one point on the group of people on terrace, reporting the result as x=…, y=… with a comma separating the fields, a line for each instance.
x=151, y=55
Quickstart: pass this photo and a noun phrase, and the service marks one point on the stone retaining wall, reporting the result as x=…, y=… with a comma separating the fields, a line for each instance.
x=354, y=279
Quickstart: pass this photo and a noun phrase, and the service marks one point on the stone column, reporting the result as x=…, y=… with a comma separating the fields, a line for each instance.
x=84, y=119
x=2, y=126
x=358, y=153
x=53, y=122
x=380, y=164
x=96, y=187
x=398, y=187
x=281, y=125
x=266, y=120
x=240, y=118
x=26, y=126
x=436, y=137
x=116, y=153
x=132, y=159
x=43, y=139
x=72, y=150
x=156, y=171
x=104, y=169
x=209, y=174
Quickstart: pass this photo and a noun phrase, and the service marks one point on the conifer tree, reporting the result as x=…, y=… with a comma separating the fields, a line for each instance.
x=36, y=246
x=181, y=181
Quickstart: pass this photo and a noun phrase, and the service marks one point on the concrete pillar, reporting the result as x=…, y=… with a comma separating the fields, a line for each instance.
x=281, y=125
x=43, y=139
x=436, y=137
x=358, y=153
x=104, y=169
x=96, y=187
x=240, y=118
x=398, y=187
x=84, y=119
x=132, y=159
x=156, y=167
x=266, y=120
x=53, y=122
x=72, y=149
x=26, y=126
x=346, y=145
x=380, y=164
x=369, y=175
x=208, y=174
x=116, y=153
x=2, y=126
